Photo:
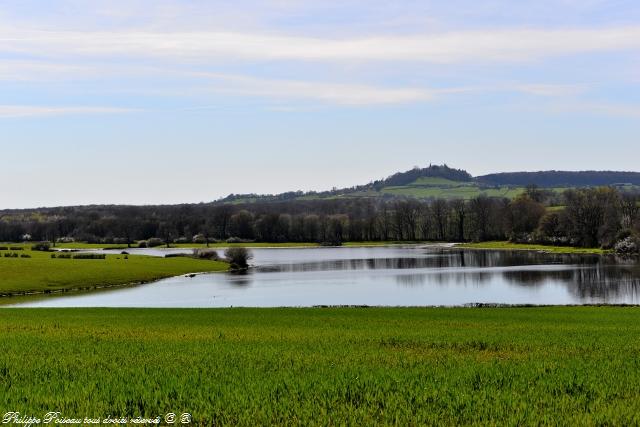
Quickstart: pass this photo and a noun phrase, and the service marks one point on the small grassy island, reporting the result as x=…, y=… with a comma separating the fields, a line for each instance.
x=24, y=271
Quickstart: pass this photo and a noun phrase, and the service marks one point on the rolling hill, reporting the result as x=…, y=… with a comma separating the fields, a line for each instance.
x=441, y=181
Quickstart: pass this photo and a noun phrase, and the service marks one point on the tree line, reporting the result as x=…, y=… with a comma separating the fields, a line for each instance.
x=590, y=217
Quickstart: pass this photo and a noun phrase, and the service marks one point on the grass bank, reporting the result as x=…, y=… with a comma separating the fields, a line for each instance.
x=246, y=245
x=513, y=366
x=42, y=274
x=383, y=243
x=530, y=247
x=82, y=245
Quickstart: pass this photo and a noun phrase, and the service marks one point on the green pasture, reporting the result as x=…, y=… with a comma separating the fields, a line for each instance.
x=42, y=274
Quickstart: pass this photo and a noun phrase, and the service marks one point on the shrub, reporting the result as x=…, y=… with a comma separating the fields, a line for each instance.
x=87, y=237
x=238, y=258
x=628, y=246
x=41, y=246
x=238, y=240
x=16, y=248
x=25, y=256
x=199, y=238
x=64, y=256
x=521, y=237
x=4, y=248
x=154, y=242
x=66, y=239
x=205, y=254
x=623, y=234
x=142, y=244
x=334, y=242
x=89, y=256
x=181, y=240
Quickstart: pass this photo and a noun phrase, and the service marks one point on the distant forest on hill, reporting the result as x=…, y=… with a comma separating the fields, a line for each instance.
x=562, y=178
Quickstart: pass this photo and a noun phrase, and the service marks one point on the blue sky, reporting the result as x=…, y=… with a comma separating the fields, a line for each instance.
x=169, y=101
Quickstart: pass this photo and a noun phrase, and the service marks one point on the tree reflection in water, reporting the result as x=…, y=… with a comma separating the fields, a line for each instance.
x=585, y=276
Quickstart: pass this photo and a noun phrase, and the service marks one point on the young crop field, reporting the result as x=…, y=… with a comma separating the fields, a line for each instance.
x=37, y=272
x=339, y=366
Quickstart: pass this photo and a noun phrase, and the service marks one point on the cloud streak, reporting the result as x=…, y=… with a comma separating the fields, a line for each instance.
x=333, y=93
x=451, y=47
x=24, y=111
x=244, y=85
x=599, y=109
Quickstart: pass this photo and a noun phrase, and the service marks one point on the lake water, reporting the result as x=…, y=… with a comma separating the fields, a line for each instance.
x=382, y=276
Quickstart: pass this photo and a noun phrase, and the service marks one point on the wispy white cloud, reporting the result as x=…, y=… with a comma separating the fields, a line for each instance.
x=334, y=93
x=19, y=111
x=451, y=47
x=607, y=109
x=349, y=94
x=26, y=70
x=185, y=82
x=546, y=89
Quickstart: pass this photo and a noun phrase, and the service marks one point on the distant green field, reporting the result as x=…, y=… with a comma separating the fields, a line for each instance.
x=441, y=188
x=248, y=367
x=437, y=182
x=41, y=273
x=531, y=247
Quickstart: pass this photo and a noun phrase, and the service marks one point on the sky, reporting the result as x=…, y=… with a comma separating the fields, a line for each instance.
x=174, y=101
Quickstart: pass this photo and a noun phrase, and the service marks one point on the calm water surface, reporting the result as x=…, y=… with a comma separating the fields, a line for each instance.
x=386, y=276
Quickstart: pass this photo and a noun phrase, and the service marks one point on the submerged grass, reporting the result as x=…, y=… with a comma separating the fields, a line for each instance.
x=503, y=245
x=339, y=366
x=40, y=273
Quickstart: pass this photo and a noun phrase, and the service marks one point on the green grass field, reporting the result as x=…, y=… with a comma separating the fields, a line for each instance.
x=442, y=188
x=41, y=273
x=501, y=245
x=507, y=366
